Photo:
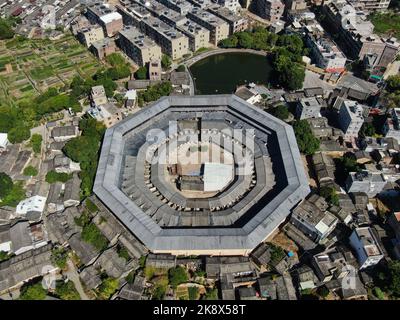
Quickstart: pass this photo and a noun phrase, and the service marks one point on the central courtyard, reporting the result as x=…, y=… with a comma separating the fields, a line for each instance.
x=201, y=174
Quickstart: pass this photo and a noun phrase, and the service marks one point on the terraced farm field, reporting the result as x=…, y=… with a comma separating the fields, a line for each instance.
x=29, y=67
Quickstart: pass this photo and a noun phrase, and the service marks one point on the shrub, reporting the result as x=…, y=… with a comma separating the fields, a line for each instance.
x=19, y=134
x=108, y=287
x=59, y=256
x=33, y=292
x=6, y=185
x=141, y=73
x=91, y=234
x=53, y=177
x=166, y=61
x=308, y=144
x=36, y=143
x=177, y=275
x=67, y=291
x=181, y=68
x=91, y=206
x=30, y=171
x=193, y=292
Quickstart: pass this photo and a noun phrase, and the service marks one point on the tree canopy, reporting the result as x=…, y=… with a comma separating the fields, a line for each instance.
x=19, y=134
x=36, y=143
x=33, y=292
x=84, y=149
x=141, y=73
x=67, y=290
x=6, y=30
x=30, y=171
x=108, y=287
x=307, y=142
x=281, y=112
x=6, y=185
x=166, y=61
x=330, y=195
x=177, y=275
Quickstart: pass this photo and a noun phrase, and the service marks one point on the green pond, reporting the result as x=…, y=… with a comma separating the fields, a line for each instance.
x=223, y=73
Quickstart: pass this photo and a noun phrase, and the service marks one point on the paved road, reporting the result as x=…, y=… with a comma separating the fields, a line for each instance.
x=73, y=275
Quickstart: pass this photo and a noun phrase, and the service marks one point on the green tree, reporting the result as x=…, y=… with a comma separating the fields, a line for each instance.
x=394, y=278
x=16, y=194
x=281, y=112
x=166, y=61
x=7, y=120
x=91, y=206
x=393, y=83
x=193, y=292
x=59, y=256
x=230, y=42
x=159, y=292
x=181, y=68
x=6, y=30
x=33, y=292
x=4, y=256
x=177, y=275
x=19, y=134
x=349, y=164
x=67, y=290
x=308, y=144
x=108, y=287
x=53, y=176
x=211, y=294
x=36, y=143
x=367, y=130
x=6, y=185
x=30, y=171
x=141, y=73
x=91, y=234
x=323, y=291
x=330, y=195
x=245, y=40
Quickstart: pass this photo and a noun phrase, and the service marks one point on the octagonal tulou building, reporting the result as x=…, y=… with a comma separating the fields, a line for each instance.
x=193, y=175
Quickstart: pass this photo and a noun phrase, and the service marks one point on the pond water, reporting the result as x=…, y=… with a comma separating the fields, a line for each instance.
x=223, y=73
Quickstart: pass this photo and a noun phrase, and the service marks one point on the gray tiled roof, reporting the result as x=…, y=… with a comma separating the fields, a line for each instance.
x=244, y=237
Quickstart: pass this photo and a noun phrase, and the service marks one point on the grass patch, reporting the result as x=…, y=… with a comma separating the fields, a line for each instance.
x=386, y=23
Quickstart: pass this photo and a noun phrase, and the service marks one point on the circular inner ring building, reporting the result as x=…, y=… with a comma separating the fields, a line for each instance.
x=201, y=174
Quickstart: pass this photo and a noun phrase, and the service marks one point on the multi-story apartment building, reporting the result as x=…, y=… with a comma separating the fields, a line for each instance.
x=356, y=36
x=370, y=183
x=370, y=5
x=295, y=5
x=391, y=128
x=132, y=13
x=107, y=17
x=326, y=54
x=103, y=48
x=180, y=6
x=219, y=29
x=140, y=48
x=271, y=10
x=313, y=218
x=365, y=243
x=308, y=108
x=171, y=41
x=236, y=22
x=155, y=70
x=91, y=34
x=203, y=4
x=231, y=5
x=351, y=118
x=154, y=7
x=198, y=36
x=172, y=17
